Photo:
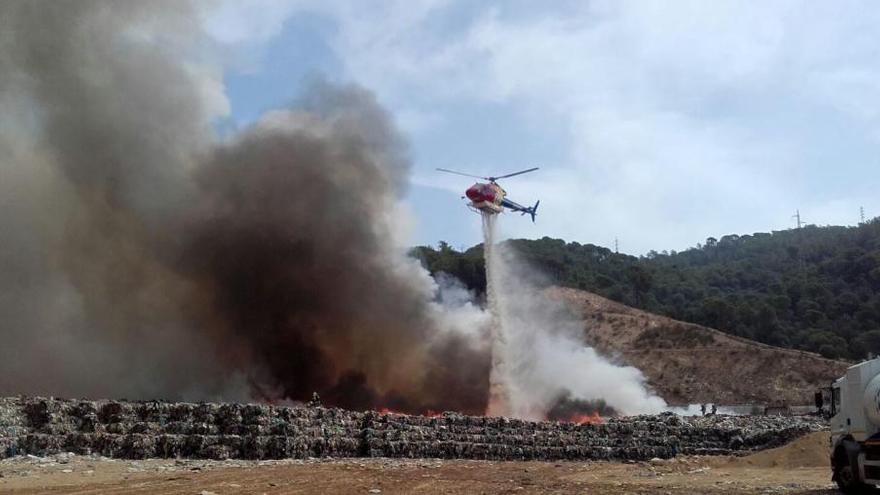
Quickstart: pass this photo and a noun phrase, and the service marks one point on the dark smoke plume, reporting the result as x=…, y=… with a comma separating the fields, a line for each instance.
x=566, y=407
x=143, y=258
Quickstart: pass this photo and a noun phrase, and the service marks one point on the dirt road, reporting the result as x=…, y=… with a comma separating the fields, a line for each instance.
x=799, y=468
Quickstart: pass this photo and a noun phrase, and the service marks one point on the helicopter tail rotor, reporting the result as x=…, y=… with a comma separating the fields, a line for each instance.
x=534, y=210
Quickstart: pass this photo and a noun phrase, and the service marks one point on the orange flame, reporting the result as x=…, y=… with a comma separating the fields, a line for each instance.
x=581, y=419
x=385, y=410
x=585, y=419
x=428, y=414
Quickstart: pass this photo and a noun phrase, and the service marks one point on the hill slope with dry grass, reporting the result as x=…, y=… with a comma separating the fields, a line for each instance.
x=687, y=363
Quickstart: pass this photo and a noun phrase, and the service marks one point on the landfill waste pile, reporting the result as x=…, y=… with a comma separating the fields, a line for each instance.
x=139, y=430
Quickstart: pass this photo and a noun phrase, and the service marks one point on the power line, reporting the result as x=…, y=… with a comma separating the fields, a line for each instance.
x=797, y=215
x=800, y=257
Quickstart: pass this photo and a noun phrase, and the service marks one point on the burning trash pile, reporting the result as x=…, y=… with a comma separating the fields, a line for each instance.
x=135, y=430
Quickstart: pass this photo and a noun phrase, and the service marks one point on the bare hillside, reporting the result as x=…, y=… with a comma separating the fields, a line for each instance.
x=687, y=363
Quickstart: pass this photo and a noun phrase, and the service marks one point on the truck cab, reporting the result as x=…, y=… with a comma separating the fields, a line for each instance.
x=855, y=427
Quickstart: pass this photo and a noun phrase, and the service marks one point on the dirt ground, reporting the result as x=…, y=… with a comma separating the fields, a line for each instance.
x=798, y=468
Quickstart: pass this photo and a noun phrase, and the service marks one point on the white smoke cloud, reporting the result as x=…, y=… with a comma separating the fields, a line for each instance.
x=539, y=355
x=546, y=355
x=456, y=309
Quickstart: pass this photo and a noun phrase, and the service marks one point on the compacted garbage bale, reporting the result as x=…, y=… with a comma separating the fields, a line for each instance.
x=46, y=426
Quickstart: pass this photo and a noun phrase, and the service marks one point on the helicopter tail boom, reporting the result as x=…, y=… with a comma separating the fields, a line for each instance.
x=525, y=210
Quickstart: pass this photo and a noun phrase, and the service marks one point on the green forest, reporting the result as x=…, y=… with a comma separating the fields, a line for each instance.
x=812, y=288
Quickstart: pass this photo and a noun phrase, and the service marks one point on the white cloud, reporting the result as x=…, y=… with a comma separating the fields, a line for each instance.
x=249, y=21
x=666, y=106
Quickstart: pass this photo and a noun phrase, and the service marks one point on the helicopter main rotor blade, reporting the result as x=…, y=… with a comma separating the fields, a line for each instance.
x=516, y=173
x=462, y=173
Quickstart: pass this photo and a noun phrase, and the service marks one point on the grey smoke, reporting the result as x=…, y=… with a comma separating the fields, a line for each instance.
x=143, y=258
x=100, y=127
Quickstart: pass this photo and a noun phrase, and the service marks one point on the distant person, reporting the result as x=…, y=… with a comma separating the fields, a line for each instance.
x=714, y=409
x=703, y=409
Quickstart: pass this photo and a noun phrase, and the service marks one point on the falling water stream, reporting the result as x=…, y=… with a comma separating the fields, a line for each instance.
x=499, y=393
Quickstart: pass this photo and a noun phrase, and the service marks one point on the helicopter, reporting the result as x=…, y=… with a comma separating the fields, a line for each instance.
x=491, y=198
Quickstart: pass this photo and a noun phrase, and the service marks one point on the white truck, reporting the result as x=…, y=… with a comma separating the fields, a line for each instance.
x=855, y=427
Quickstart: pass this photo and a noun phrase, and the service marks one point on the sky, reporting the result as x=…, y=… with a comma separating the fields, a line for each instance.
x=655, y=123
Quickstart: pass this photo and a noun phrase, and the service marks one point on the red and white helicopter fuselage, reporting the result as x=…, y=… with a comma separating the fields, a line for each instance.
x=486, y=197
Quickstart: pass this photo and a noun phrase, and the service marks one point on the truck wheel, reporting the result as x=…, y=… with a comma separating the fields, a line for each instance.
x=847, y=481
